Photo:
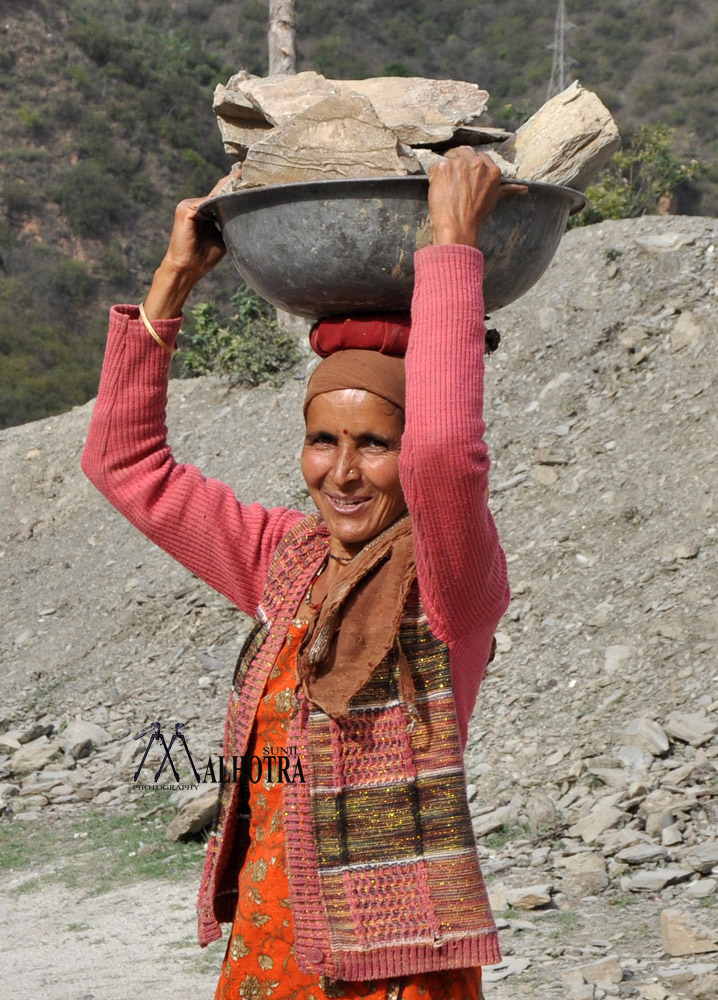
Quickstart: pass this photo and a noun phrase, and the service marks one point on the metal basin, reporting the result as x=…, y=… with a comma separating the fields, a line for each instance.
x=326, y=248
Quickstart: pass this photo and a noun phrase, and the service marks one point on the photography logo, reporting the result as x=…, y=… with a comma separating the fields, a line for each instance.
x=277, y=764
x=157, y=736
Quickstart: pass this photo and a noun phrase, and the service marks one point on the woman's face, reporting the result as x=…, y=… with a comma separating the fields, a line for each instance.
x=350, y=463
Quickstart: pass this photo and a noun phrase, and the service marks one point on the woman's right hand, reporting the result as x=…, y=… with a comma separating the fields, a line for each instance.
x=195, y=247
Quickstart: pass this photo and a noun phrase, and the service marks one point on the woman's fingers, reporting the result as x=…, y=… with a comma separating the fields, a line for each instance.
x=509, y=190
x=234, y=175
x=463, y=191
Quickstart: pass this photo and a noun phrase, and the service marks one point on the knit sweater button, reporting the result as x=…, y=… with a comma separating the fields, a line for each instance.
x=315, y=955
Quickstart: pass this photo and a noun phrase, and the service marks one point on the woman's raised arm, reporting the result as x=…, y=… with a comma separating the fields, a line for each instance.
x=444, y=461
x=198, y=521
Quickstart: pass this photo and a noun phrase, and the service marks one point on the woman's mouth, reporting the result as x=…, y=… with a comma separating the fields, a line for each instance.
x=347, y=505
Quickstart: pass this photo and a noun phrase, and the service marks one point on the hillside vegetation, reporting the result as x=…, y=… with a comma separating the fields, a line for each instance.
x=105, y=122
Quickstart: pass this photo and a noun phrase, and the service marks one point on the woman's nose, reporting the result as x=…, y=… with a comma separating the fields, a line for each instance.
x=346, y=469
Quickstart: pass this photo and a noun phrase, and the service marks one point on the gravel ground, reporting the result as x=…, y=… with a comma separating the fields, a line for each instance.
x=602, y=427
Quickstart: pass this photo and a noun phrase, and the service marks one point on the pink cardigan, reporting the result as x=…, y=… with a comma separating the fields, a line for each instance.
x=444, y=469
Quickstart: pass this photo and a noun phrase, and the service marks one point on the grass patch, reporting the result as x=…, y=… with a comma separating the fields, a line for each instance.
x=623, y=901
x=501, y=837
x=97, y=851
x=39, y=700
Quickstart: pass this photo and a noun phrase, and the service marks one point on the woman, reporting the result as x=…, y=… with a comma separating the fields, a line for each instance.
x=374, y=625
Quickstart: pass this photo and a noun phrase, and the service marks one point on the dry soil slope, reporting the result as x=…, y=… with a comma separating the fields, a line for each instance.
x=602, y=426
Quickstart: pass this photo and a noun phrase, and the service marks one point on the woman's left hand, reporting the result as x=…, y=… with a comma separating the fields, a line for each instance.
x=463, y=191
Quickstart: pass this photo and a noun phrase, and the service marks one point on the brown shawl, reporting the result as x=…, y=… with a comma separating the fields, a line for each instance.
x=358, y=623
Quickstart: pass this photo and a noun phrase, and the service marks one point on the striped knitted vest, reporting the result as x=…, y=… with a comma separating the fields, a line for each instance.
x=383, y=871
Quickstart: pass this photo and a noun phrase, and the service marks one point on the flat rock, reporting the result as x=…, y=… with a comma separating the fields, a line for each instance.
x=615, y=658
x=35, y=731
x=337, y=138
x=33, y=756
x=79, y=731
x=586, y=874
x=656, y=879
x=424, y=112
x=273, y=100
x=194, y=815
x=513, y=965
x=544, y=475
x=576, y=986
x=646, y=734
x=682, y=934
x=686, y=332
x=602, y=817
x=529, y=897
x=695, y=728
x=703, y=858
x=605, y=970
x=702, y=889
x=567, y=141
x=641, y=854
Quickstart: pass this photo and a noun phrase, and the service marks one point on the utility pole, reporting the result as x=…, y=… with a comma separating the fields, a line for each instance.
x=281, y=32
x=562, y=61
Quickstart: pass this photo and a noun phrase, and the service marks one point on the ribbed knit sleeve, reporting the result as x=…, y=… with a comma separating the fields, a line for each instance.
x=197, y=520
x=444, y=462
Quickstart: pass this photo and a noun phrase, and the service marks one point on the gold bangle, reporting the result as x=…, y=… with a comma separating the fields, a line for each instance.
x=153, y=333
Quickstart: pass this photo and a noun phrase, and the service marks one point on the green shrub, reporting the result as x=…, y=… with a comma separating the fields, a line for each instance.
x=18, y=196
x=91, y=199
x=637, y=176
x=30, y=119
x=72, y=283
x=113, y=266
x=247, y=348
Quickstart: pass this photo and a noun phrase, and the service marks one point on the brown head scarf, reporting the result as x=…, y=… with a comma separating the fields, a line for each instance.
x=378, y=373
x=358, y=623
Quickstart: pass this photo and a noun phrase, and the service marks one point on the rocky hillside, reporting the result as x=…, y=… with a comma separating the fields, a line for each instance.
x=106, y=122
x=593, y=754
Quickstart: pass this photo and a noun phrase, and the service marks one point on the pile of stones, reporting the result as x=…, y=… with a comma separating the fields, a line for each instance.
x=287, y=129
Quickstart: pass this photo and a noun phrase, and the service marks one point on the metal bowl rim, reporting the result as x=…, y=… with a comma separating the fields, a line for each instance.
x=208, y=211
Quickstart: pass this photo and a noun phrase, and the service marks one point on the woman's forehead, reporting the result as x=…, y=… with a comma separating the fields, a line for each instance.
x=353, y=407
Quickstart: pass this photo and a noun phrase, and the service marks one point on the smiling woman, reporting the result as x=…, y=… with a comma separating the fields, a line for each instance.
x=374, y=625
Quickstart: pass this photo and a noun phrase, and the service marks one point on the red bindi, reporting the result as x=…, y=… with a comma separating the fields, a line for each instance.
x=345, y=432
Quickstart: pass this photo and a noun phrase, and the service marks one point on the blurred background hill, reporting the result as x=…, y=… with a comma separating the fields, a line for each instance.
x=105, y=122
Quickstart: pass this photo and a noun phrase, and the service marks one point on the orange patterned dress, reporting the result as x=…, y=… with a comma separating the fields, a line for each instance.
x=259, y=961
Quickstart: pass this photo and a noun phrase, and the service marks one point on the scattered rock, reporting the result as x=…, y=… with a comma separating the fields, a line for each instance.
x=542, y=814
x=567, y=141
x=338, y=137
x=681, y=934
x=647, y=735
x=605, y=970
x=34, y=756
x=602, y=817
x=427, y=112
x=655, y=879
x=194, y=815
x=529, y=897
x=510, y=966
x=702, y=889
x=691, y=727
x=703, y=857
x=615, y=658
x=586, y=874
